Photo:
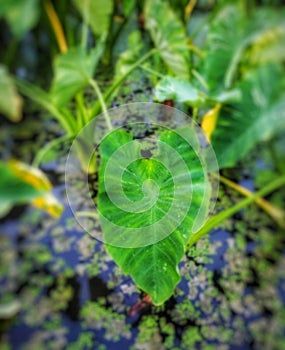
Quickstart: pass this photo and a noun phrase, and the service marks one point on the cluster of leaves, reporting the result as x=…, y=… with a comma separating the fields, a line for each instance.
x=241, y=70
x=246, y=100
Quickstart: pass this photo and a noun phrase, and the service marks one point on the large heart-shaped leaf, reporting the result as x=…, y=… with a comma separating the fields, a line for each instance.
x=259, y=114
x=166, y=194
x=168, y=35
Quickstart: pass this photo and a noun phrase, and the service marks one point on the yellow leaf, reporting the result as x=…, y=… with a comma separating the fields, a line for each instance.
x=48, y=203
x=210, y=120
x=30, y=175
x=38, y=180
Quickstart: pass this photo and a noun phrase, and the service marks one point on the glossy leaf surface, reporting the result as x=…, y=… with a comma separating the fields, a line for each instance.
x=153, y=267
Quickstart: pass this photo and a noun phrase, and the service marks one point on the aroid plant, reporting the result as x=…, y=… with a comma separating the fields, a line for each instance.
x=157, y=184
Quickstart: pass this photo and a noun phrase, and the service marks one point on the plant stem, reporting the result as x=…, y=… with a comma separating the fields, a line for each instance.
x=189, y=8
x=220, y=217
x=82, y=111
x=11, y=52
x=95, y=86
x=124, y=76
x=118, y=82
x=56, y=26
x=47, y=148
x=39, y=96
x=195, y=114
x=276, y=213
x=84, y=33
x=152, y=71
x=274, y=155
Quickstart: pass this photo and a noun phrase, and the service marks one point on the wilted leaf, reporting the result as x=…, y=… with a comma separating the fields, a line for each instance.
x=21, y=183
x=210, y=120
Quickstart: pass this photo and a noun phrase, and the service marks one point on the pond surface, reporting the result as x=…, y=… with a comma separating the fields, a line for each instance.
x=73, y=296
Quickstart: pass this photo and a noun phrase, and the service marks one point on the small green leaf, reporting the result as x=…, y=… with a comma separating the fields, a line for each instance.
x=97, y=14
x=259, y=114
x=162, y=199
x=73, y=70
x=10, y=101
x=21, y=15
x=179, y=90
x=168, y=35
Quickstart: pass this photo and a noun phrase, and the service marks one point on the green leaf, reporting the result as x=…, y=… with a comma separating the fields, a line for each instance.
x=10, y=101
x=73, y=70
x=42, y=98
x=21, y=15
x=169, y=37
x=179, y=90
x=97, y=14
x=259, y=114
x=128, y=6
x=157, y=197
x=232, y=34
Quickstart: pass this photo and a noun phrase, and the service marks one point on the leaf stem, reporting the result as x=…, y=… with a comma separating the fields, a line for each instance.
x=152, y=71
x=84, y=32
x=118, y=82
x=96, y=88
x=189, y=8
x=47, y=148
x=56, y=26
x=39, y=96
x=276, y=213
x=220, y=217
